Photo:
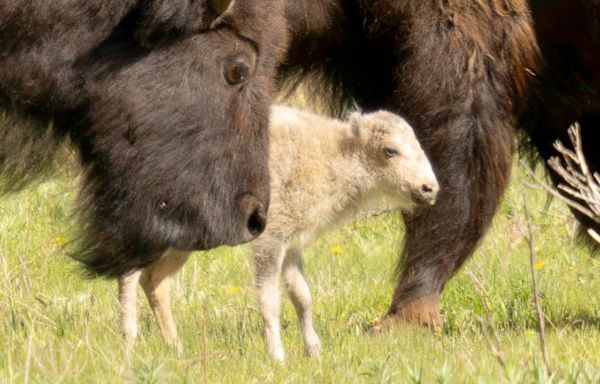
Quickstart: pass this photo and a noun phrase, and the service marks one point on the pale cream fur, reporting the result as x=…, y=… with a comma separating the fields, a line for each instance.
x=324, y=173
x=155, y=280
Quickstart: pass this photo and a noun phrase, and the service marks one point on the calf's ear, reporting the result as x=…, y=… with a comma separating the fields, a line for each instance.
x=354, y=119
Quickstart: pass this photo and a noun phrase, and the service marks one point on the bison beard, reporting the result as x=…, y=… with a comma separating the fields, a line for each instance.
x=459, y=70
x=167, y=103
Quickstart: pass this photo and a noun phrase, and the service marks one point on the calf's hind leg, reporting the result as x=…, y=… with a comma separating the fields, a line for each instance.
x=297, y=287
x=156, y=281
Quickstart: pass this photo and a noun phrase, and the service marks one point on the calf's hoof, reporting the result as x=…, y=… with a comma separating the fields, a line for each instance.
x=176, y=345
x=277, y=355
x=313, y=349
x=422, y=312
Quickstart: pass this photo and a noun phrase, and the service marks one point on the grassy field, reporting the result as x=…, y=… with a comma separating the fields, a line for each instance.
x=56, y=326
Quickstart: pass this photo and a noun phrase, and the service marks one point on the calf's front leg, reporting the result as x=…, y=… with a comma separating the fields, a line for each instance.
x=128, y=307
x=268, y=261
x=297, y=287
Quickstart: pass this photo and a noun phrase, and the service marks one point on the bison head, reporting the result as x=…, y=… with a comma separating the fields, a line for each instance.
x=168, y=104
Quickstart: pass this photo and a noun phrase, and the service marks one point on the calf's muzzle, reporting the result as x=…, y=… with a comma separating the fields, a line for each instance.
x=426, y=193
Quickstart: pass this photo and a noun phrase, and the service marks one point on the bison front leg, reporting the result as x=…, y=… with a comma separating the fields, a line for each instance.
x=464, y=70
x=156, y=281
x=440, y=239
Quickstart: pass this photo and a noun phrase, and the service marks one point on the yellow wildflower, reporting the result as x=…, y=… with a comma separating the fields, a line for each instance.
x=59, y=240
x=235, y=290
x=337, y=250
x=539, y=265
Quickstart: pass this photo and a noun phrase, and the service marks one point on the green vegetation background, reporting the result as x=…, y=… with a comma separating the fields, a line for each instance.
x=57, y=326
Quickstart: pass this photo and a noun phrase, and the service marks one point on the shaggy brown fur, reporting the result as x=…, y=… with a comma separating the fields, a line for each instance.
x=459, y=71
x=167, y=103
x=567, y=88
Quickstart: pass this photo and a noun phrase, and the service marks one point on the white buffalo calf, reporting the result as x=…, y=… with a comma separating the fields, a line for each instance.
x=324, y=173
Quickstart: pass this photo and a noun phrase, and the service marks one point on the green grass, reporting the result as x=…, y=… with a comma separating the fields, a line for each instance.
x=56, y=326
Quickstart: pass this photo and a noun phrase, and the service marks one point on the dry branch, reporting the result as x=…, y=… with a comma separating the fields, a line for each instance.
x=580, y=187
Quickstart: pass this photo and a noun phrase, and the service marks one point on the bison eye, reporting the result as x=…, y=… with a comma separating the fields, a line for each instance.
x=391, y=152
x=236, y=71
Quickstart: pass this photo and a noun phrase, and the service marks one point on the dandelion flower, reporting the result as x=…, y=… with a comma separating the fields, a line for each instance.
x=235, y=290
x=337, y=250
x=59, y=240
x=539, y=265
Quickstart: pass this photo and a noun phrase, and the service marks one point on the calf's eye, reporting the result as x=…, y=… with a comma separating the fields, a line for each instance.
x=391, y=152
x=236, y=71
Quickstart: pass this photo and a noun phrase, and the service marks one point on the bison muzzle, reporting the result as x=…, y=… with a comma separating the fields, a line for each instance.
x=166, y=102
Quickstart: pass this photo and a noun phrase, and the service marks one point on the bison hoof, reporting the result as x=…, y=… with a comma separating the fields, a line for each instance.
x=422, y=312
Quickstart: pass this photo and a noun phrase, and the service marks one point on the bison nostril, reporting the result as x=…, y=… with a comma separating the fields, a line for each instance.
x=253, y=215
x=257, y=222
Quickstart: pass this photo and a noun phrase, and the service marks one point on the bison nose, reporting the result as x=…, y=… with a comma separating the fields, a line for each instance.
x=257, y=221
x=254, y=215
x=427, y=194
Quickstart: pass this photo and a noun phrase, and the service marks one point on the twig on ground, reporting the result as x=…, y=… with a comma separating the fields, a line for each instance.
x=205, y=338
x=536, y=293
x=29, y=352
x=494, y=345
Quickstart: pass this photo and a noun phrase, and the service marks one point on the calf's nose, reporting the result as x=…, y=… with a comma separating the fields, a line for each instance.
x=427, y=193
x=254, y=217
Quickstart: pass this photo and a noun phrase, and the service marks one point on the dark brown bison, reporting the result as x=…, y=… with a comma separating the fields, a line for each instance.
x=167, y=104
x=462, y=72
x=567, y=88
